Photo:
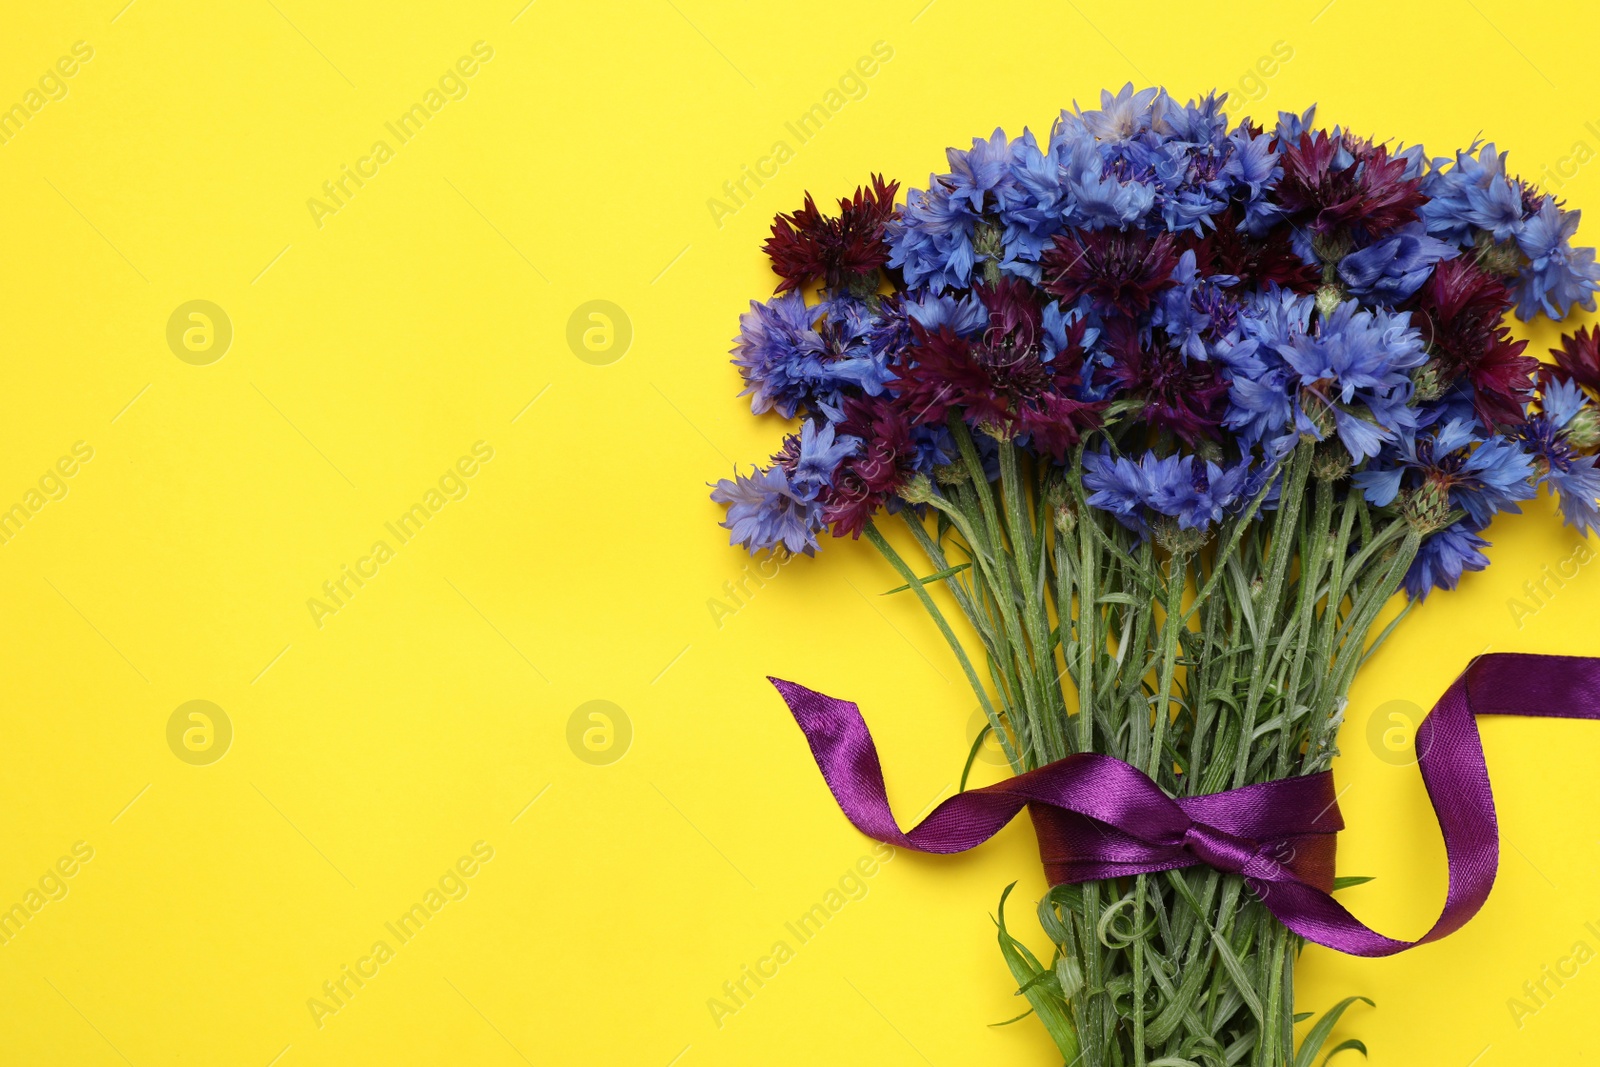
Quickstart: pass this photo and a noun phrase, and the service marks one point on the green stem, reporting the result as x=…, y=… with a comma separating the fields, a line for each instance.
x=1278, y=556
x=905, y=572
x=1177, y=579
x=1020, y=528
x=1313, y=556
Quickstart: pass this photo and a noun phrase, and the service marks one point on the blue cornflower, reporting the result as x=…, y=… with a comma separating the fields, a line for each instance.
x=1352, y=369
x=1356, y=349
x=1095, y=198
x=781, y=506
x=765, y=512
x=1123, y=116
x=930, y=240
x=1194, y=305
x=935, y=447
x=1560, y=400
x=1572, y=476
x=1291, y=126
x=1473, y=194
x=775, y=342
x=815, y=454
x=1263, y=388
x=1456, y=466
x=789, y=366
x=1196, y=492
x=1116, y=485
x=1443, y=557
x=1254, y=169
x=1557, y=275
x=1201, y=124
x=981, y=171
x=1391, y=270
x=1033, y=207
x=1576, y=484
x=1416, y=162
x=1356, y=364
x=965, y=315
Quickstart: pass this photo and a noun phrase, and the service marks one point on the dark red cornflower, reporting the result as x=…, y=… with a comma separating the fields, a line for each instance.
x=881, y=467
x=1055, y=422
x=1255, y=261
x=1120, y=271
x=984, y=382
x=1579, y=356
x=1460, y=311
x=806, y=245
x=1371, y=194
x=1015, y=315
x=1189, y=397
x=1004, y=381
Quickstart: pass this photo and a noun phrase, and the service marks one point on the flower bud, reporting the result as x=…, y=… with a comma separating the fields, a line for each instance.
x=1318, y=410
x=1582, y=433
x=1427, y=507
x=987, y=247
x=918, y=490
x=1499, y=257
x=1330, y=461
x=1178, y=540
x=1329, y=297
x=1427, y=382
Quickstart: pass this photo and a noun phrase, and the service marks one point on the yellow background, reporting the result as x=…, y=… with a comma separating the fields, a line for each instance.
x=427, y=314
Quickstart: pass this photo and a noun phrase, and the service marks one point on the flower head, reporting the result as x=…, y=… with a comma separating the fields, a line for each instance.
x=806, y=246
x=1460, y=309
x=766, y=514
x=883, y=464
x=1562, y=437
x=1391, y=269
x=1579, y=356
x=1443, y=557
x=1557, y=276
x=1454, y=467
x=1338, y=185
x=1116, y=272
x=1188, y=397
x=790, y=366
x=1352, y=372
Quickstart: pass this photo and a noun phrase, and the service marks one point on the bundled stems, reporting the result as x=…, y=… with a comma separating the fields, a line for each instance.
x=1245, y=683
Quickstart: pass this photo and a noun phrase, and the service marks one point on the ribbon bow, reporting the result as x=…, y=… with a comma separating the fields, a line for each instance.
x=1098, y=817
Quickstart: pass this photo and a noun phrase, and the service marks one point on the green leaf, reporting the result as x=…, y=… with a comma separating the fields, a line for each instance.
x=1350, y=880
x=1242, y=981
x=930, y=579
x=1319, y=1033
x=1018, y=1019
x=983, y=735
x=1345, y=1046
x=1044, y=996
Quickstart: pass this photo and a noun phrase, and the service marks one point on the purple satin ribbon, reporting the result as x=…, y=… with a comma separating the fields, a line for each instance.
x=1098, y=817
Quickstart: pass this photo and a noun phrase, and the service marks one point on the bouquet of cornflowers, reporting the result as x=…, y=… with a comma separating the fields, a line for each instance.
x=1170, y=410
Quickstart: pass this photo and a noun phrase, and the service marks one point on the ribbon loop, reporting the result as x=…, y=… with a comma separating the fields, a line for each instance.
x=1097, y=817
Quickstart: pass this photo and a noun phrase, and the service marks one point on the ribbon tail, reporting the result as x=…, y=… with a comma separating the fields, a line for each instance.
x=1451, y=761
x=843, y=749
